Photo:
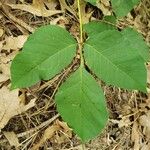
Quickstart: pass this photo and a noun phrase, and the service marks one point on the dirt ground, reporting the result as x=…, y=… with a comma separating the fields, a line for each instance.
x=32, y=121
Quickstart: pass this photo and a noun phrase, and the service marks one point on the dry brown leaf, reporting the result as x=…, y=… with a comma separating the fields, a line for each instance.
x=5, y=62
x=37, y=8
x=65, y=128
x=144, y=121
x=51, y=4
x=135, y=137
x=124, y=122
x=145, y=146
x=1, y=32
x=62, y=21
x=5, y=59
x=64, y=7
x=148, y=73
x=5, y=72
x=22, y=96
x=12, y=138
x=1, y=44
x=48, y=133
x=138, y=24
x=146, y=104
x=10, y=105
x=1, y=16
x=85, y=15
x=104, y=5
x=14, y=43
x=64, y=134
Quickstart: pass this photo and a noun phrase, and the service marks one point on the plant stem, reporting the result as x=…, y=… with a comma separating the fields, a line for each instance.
x=83, y=148
x=81, y=33
x=80, y=21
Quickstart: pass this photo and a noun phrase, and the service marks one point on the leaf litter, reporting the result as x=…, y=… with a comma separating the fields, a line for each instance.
x=29, y=116
x=11, y=106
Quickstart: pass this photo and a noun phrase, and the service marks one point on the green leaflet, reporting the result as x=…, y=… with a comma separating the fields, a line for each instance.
x=93, y=2
x=135, y=39
x=120, y=7
x=123, y=7
x=110, y=19
x=47, y=51
x=93, y=28
x=81, y=103
x=117, y=57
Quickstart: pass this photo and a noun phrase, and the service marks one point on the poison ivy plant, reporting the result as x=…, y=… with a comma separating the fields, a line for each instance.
x=116, y=57
x=120, y=7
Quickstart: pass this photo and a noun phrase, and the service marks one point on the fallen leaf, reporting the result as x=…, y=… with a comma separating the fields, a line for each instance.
x=64, y=7
x=12, y=138
x=135, y=137
x=14, y=43
x=1, y=44
x=48, y=133
x=64, y=134
x=10, y=105
x=61, y=19
x=144, y=121
x=124, y=122
x=36, y=8
x=1, y=16
x=4, y=72
x=51, y=4
x=104, y=5
x=148, y=73
x=65, y=128
x=145, y=146
x=5, y=62
x=146, y=104
x=1, y=32
x=85, y=15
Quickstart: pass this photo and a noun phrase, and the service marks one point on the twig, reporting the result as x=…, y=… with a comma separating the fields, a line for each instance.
x=58, y=84
x=46, y=123
x=15, y=19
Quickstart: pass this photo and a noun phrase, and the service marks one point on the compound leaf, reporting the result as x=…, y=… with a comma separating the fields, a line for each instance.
x=81, y=103
x=123, y=7
x=118, y=57
x=47, y=51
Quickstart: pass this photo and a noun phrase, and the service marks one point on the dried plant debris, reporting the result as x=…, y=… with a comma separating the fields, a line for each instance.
x=10, y=105
x=28, y=117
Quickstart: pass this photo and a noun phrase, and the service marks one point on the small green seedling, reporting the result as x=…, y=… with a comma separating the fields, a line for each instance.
x=116, y=57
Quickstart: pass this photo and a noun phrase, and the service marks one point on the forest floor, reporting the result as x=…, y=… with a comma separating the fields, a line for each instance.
x=28, y=117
